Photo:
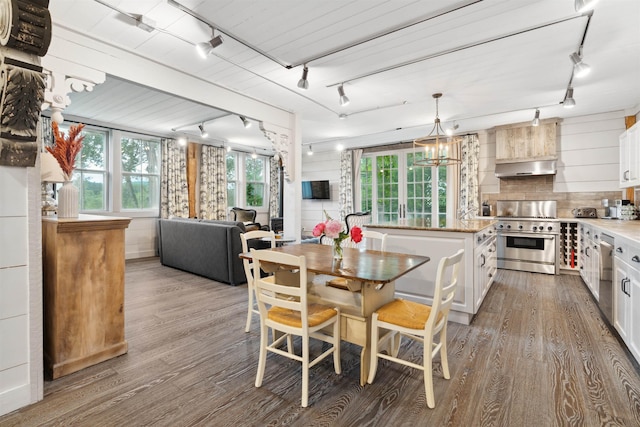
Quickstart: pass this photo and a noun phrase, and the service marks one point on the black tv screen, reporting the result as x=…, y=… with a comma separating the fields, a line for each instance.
x=316, y=190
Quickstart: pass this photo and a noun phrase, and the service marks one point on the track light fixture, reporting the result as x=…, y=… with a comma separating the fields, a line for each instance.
x=344, y=100
x=303, y=83
x=203, y=133
x=204, y=49
x=310, y=152
x=451, y=130
x=568, y=101
x=584, y=5
x=246, y=123
x=536, y=119
x=580, y=69
x=254, y=155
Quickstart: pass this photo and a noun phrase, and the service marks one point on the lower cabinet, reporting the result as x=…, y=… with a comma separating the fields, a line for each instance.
x=626, y=294
x=485, y=259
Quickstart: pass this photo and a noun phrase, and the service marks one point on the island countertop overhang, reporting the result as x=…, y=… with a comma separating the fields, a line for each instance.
x=464, y=226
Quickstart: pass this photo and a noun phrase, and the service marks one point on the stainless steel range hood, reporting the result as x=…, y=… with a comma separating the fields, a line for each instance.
x=534, y=167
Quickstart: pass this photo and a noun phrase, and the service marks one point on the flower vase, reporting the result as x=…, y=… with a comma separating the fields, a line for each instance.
x=68, y=196
x=337, y=250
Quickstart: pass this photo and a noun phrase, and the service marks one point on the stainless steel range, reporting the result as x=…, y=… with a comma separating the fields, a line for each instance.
x=527, y=235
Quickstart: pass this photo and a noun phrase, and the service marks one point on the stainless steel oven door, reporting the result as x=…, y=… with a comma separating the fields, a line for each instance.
x=528, y=252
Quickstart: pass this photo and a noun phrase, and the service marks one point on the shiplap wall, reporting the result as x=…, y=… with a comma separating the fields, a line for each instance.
x=588, y=161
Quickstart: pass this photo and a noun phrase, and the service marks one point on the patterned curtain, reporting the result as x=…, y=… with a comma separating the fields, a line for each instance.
x=47, y=132
x=174, y=195
x=468, y=185
x=357, y=196
x=345, y=199
x=213, y=183
x=274, y=188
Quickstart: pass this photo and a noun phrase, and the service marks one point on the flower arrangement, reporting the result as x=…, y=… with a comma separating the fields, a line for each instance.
x=66, y=149
x=333, y=229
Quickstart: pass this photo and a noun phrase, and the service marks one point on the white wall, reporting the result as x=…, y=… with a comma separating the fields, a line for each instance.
x=140, y=238
x=21, y=364
x=321, y=166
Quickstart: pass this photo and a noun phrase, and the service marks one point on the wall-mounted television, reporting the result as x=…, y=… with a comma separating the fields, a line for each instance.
x=320, y=190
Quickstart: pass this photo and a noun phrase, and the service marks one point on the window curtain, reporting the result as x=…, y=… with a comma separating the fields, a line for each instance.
x=357, y=196
x=174, y=195
x=468, y=177
x=274, y=187
x=213, y=183
x=345, y=198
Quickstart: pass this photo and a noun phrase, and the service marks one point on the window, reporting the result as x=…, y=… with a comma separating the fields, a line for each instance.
x=247, y=180
x=140, y=173
x=389, y=184
x=92, y=172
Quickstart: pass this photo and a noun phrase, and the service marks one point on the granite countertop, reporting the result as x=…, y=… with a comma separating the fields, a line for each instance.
x=617, y=227
x=466, y=226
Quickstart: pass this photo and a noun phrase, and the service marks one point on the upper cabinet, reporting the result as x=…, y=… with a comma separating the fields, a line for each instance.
x=630, y=157
x=523, y=142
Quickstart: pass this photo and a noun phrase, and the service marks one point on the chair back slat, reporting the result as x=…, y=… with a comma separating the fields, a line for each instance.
x=445, y=289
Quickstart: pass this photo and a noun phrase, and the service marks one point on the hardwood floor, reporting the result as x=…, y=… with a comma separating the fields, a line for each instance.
x=537, y=354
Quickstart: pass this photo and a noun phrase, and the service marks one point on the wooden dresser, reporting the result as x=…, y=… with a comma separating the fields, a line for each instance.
x=83, y=291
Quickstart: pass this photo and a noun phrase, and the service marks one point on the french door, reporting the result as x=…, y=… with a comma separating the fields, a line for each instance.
x=393, y=189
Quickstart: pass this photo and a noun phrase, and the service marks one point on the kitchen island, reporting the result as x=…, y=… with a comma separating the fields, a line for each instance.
x=419, y=237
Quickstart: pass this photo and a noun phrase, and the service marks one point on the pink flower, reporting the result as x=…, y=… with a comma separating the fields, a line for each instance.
x=332, y=229
x=356, y=234
x=318, y=229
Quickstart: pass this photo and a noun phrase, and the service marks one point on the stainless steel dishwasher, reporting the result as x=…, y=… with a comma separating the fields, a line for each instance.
x=605, y=300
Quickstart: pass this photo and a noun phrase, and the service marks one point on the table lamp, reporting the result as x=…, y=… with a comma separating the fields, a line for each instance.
x=50, y=172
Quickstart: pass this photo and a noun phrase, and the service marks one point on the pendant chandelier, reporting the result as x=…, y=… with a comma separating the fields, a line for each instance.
x=436, y=149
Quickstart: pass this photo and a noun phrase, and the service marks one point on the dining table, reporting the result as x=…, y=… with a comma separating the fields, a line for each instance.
x=360, y=283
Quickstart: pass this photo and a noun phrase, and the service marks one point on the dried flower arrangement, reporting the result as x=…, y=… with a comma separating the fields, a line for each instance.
x=66, y=149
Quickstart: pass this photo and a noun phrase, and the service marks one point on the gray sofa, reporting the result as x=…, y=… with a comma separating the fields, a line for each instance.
x=204, y=247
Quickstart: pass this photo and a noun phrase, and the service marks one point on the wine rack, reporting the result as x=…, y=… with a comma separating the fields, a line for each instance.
x=569, y=246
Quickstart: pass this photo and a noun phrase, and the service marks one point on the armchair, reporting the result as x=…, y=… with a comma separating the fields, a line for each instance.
x=248, y=217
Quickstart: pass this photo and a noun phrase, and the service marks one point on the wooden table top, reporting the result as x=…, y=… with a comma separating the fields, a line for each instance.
x=357, y=264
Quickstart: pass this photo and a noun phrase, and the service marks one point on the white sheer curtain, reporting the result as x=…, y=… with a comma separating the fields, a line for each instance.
x=468, y=206
x=174, y=195
x=213, y=183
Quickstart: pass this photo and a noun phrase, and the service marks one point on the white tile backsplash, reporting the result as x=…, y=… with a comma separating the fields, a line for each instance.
x=14, y=292
x=14, y=247
x=13, y=182
x=14, y=330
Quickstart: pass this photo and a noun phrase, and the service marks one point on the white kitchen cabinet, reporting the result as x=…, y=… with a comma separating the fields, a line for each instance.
x=485, y=265
x=626, y=294
x=630, y=157
x=589, y=258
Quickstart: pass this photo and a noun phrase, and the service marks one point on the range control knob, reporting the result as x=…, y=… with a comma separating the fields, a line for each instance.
x=535, y=228
x=550, y=228
x=520, y=227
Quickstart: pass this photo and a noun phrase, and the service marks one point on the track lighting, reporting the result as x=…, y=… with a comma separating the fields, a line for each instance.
x=303, y=83
x=580, y=69
x=451, y=130
x=568, y=101
x=584, y=5
x=536, y=119
x=342, y=116
x=203, y=133
x=205, y=48
x=310, y=152
x=228, y=148
x=254, y=155
x=246, y=123
x=344, y=100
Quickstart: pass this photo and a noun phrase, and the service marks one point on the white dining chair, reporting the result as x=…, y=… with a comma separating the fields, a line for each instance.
x=248, y=268
x=284, y=308
x=373, y=240
x=418, y=322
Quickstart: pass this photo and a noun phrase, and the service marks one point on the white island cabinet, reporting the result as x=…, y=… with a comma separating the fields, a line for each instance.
x=476, y=237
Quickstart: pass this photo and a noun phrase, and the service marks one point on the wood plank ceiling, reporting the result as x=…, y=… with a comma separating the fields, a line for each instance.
x=495, y=61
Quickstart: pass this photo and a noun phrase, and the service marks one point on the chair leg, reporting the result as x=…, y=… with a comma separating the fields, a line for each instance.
x=373, y=365
x=247, y=328
x=395, y=343
x=428, y=372
x=305, y=371
x=262, y=359
x=336, y=346
x=443, y=353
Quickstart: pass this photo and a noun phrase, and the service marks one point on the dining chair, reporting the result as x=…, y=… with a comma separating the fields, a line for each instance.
x=285, y=309
x=270, y=236
x=419, y=322
x=357, y=218
x=373, y=240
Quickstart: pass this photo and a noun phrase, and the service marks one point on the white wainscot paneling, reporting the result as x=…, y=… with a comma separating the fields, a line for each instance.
x=14, y=389
x=15, y=331
x=141, y=238
x=13, y=181
x=13, y=250
x=14, y=292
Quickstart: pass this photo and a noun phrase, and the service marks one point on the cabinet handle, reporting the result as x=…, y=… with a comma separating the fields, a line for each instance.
x=619, y=249
x=626, y=175
x=484, y=260
x=635, y=258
